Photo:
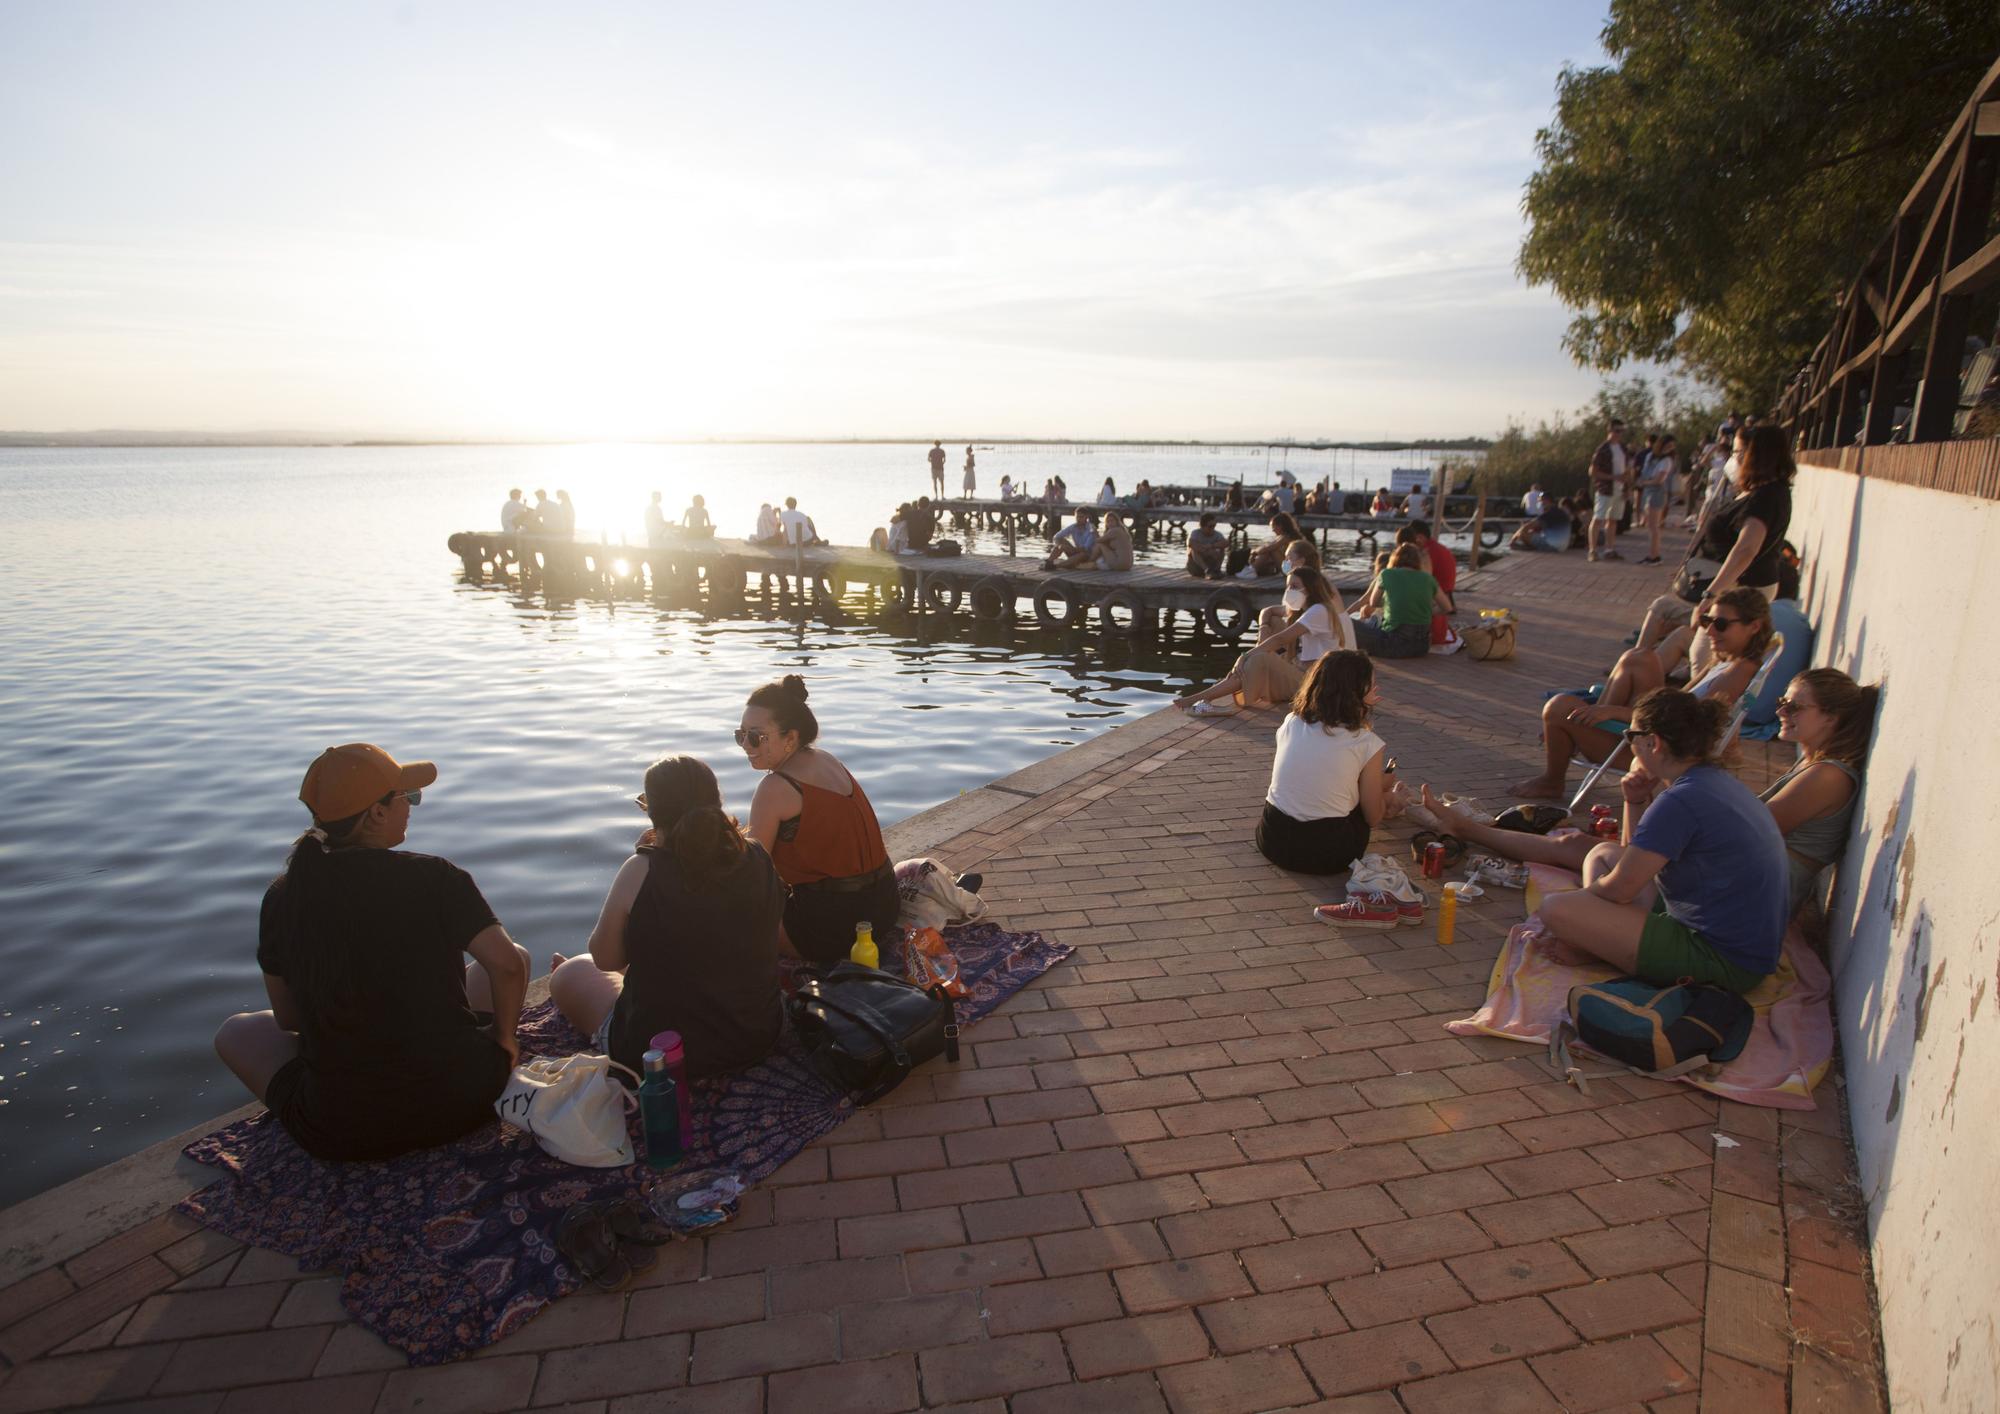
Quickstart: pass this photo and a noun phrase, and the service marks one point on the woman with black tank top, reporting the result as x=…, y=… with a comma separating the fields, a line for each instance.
x=687, y=940
x=815, y=819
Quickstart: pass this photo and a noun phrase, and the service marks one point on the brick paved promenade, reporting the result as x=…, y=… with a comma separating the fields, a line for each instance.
x=1224, y=1159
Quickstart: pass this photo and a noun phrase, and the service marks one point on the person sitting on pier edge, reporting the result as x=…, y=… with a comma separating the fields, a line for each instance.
x=687, y=939
x=1824, y=711
x=1383, y=506
x=1006, y=488
x=1316, y=501
x=380, y=1038
x=656, y=522
x=513, y=510
x=1329, y=783
x=559, y=520
x=1107, y=494
x=1233, y=501
x=1267, y=558
x=1534, y=500
x=1062, y=488
x=1113, y=550
x=1075, y=543
x=897, y=538
x=1311, y=624
x=797, y=525
x=769, y=532
x=1699, y=890
x=813, y=817
x=1550, y=529
x=1207, y=548
x=922, y=522
x=1737, y=632
x=1394, y=619
x=540, y=518
x=695, y=520
x=1443, y=567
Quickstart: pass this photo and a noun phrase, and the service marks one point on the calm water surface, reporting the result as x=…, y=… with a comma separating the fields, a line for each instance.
x=185, y=629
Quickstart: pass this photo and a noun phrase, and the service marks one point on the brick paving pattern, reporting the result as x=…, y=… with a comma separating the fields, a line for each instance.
x=1225, y=1159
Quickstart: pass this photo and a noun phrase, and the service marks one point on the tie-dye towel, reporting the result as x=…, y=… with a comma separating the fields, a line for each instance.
x=1791, y=1042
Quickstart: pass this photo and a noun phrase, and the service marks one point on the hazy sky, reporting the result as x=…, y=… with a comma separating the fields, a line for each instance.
x=1142, y=220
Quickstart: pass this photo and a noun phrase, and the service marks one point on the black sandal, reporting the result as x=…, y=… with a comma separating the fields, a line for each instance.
x=585, y=1239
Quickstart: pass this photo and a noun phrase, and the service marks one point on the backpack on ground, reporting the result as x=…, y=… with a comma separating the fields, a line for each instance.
x=1656, y=1031
x=865, y=1030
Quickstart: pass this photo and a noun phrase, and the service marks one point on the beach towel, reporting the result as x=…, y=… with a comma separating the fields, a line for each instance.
x=1791, y=1041
x=447, y=1250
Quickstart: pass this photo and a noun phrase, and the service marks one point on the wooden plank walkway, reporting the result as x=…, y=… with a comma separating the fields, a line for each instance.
x=1224, y=1159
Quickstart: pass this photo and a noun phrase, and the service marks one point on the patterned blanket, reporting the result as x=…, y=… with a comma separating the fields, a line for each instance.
x=446, y=1250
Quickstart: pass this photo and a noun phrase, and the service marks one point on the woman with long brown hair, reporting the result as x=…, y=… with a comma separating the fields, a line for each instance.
x=1314, y=624
x=1328, y=781
x=1266, y=558
x=687, y=939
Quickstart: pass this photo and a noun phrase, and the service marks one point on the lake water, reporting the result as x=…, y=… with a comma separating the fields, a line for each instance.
x=186, y=629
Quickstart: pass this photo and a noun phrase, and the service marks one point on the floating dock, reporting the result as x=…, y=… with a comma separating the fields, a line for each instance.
x=723, y=573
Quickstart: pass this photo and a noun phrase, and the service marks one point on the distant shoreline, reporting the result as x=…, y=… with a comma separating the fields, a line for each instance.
x=145, y=440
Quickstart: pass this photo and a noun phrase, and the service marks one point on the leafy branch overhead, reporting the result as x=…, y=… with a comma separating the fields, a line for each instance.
x=1705, y=195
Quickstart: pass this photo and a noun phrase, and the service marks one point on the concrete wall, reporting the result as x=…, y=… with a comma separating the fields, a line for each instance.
x=1903, y=587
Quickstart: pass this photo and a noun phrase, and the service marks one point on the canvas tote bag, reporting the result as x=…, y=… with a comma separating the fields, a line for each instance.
x=574, y=1107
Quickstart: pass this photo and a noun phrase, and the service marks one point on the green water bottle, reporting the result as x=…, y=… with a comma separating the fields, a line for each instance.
x=864, y=952
x=660, y=1111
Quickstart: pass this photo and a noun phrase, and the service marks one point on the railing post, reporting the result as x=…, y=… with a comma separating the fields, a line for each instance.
x=1951, y=315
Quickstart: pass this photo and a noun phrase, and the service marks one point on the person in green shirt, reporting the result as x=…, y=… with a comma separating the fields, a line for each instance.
x=1401, y=602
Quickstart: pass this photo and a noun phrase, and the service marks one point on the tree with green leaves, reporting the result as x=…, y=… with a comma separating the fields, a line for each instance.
x=1706, y=195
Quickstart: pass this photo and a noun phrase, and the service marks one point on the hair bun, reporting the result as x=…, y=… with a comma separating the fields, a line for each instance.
x=794, y=684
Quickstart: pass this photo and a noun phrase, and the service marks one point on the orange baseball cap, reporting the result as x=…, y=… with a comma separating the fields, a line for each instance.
x=346, y=780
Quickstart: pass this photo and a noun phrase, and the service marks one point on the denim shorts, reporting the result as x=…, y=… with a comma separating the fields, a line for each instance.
x=1653, y=498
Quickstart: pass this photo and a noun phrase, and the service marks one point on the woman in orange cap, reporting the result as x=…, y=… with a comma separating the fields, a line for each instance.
x=380, y=1039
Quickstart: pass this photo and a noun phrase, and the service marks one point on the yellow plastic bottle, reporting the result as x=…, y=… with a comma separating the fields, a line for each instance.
x=1448, y=915
x=864, y=952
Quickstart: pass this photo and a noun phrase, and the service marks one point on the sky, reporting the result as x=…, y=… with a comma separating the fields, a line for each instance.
x=1162, y=220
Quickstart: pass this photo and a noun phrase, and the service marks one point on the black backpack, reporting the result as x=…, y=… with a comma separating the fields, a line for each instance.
x=864, y=1030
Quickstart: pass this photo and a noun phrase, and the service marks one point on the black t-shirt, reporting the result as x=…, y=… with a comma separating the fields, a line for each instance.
x=1772, y=504
x=922, y=523
x=702, y=962
x=390, y=1056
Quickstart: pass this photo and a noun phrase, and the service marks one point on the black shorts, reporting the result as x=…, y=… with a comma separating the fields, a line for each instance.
x=820, y=920
x=1327, y=846
x=353, y=1123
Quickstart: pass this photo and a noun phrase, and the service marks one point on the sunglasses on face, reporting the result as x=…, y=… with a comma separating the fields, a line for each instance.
x=415, y=797
x=1789, y=705
x=1715, y=621
x=1632, y=734
x=750, y=737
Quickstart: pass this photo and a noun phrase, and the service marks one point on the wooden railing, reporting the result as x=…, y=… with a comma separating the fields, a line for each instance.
x=1913, y=299
x=1969, y=468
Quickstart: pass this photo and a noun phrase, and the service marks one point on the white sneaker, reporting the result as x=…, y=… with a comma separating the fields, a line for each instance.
x=1213, y=708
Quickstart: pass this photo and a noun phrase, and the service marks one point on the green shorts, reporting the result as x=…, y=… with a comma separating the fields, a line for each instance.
x=1670, y=952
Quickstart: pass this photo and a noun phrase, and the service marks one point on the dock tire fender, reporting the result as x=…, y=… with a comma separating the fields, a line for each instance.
x=895, y=594
x=1489, y=536
x=996, y=519
x=992, y=599
x=1064, y=591
x=1227, y=614
x=1130, y=602
x=941, y=596
x=460, y=544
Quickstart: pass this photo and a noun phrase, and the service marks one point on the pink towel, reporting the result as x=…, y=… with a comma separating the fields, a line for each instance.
x=1791, y=1042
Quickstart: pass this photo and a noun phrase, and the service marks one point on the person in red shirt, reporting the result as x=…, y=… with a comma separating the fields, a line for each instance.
x=1443, y=567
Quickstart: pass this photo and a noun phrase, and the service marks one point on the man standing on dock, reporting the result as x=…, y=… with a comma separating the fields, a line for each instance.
x=937, y=468
x=1607, y=487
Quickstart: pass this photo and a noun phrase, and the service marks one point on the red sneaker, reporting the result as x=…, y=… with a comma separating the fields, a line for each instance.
x=1408, y=912
x=1361, y=911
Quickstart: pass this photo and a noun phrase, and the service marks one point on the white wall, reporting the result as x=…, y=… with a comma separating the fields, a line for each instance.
x=1903, y=587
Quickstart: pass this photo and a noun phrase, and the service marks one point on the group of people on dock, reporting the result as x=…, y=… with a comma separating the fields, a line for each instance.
x=381, y=1039
x=555, y=518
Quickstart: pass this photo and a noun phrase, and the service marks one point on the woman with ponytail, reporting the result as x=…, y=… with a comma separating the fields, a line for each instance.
x=814, y=818
x=1696, y=888
x=1310, y=623
x=1831, y=717
x=687, y=939
x=380, y=1039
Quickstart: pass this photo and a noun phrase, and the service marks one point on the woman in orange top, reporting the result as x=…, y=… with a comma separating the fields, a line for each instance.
x=813, y=817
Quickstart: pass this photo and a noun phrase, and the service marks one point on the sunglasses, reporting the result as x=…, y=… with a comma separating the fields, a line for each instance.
x=1789, y=705
x=1633, y=734
x=415, y=797
x=1716, y=621
x=751, y=737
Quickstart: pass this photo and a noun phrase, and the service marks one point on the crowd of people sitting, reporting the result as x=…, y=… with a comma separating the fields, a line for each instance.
x=556, y=519
x=380, y=1038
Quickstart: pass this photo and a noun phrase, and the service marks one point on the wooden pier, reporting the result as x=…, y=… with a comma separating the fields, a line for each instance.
x=723, y=573
x=1036, y=519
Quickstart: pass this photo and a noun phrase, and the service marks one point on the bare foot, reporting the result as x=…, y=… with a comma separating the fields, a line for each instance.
x=1454, y=817
x=1540, y=788
x=556, y=960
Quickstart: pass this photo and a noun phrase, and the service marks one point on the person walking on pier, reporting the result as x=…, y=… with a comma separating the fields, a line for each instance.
x=1074, y=543
x=937, y=467
x=971, y=480
x=513, y=510
x=1607, y=486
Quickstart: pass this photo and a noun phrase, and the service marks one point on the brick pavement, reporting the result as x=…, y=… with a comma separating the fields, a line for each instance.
x=1225, y=1159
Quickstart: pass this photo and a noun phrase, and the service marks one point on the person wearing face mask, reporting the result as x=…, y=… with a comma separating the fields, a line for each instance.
x=814, y=818
x=1314, y=624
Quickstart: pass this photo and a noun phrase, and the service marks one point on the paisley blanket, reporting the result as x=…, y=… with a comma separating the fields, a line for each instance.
x=449, y=1249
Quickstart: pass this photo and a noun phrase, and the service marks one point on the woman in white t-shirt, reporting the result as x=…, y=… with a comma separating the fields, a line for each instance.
x=1315, y=624
x=1328, y=781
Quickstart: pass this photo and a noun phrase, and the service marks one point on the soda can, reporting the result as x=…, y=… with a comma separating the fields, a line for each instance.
x=1433, y=860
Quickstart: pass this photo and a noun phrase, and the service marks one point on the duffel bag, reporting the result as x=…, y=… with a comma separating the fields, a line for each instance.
x=864, y=1029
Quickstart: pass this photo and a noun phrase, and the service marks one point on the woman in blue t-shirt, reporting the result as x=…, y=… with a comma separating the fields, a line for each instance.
x=1697, y=890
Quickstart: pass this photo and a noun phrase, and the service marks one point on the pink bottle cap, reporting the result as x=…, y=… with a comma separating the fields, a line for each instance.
x=668, y=1042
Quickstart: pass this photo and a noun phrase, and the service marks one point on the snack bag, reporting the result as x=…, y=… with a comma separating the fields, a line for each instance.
x=928, y=961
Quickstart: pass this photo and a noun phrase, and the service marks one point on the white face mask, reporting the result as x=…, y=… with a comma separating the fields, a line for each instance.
x=1295, y=599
